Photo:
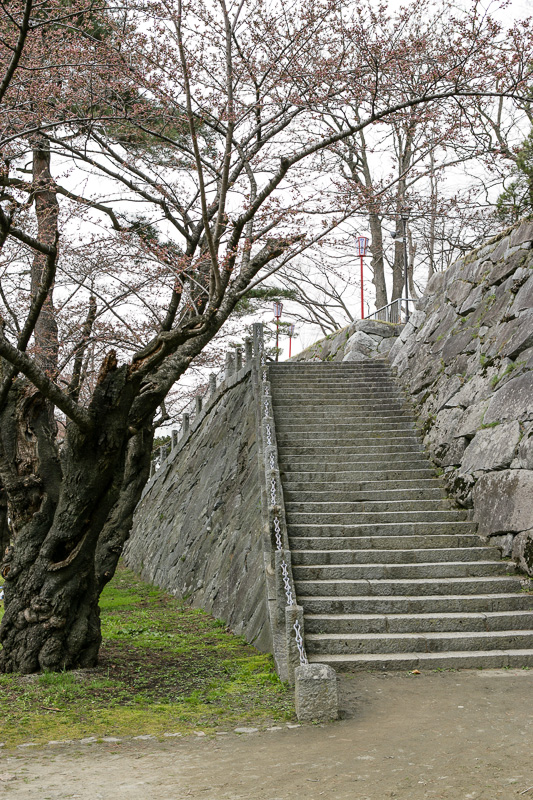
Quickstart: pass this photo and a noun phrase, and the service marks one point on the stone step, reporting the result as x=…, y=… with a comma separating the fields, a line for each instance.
x=399, y=557
x=401, y=604
x=373, y=517
x=295, y=423
x=290, y=425
x=424, y=571
x=357, y=461
x=339, y=473
x=438, y=642
x=351, y=440
x=338, y=379
x=341, y=405
x=406, y=488
x=389, y=544
x=407, y=587
x=301, y=415
x=348, y=495
x=391, y=528
x=482, y=659
x=340, y=397
x=369, y=506
x=413, y=623
x=296, y=367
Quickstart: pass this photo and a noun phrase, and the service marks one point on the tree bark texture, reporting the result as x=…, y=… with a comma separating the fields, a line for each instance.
x=69, y=538
x=47, y=212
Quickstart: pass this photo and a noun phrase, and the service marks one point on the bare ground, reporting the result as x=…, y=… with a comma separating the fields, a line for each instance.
x=464, y=735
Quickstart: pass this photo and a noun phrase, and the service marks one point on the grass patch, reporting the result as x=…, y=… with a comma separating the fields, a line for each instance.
x=164, y=667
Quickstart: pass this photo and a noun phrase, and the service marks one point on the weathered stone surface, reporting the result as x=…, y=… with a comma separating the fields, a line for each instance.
x=522, y=234
x=449, y=453
x=447, y=318
x=435, y=284
x=355, y=355
x=500, y=250
x=472, y=301
x=471, y=420
x=360, y=341
x=316, y=695
x=504, y=542
x=461, y=342
x=491, y=448
x=386, y=345
x=458, y=291
x=494, y=306
x=525, y=450
x=503, y=501
x=520, y=335
x=472, y=391
x=524, y=297
x=503, y=269
x=374, y=326
x=512, y=401
x=197, y=531
x=522, y=551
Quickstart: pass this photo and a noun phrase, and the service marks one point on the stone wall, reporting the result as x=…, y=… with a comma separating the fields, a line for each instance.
x=363, y=339
x=197, y=530
x=466, y=358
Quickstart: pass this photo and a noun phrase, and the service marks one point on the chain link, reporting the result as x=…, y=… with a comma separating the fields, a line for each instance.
x=269, y=434
x=271, y=460
x=287, y=584
x=277, y=533
x=300, y=643
x=266, y=407
x=273, y=491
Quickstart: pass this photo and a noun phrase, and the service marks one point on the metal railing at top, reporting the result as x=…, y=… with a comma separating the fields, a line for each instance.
x=396, y=312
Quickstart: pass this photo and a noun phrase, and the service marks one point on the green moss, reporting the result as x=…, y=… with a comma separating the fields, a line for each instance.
x=165, y=667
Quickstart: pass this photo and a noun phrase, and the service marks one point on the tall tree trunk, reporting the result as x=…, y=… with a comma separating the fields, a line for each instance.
x=47, y=212
x=68, y=548
x=378, y=267
x=5, y=535
x=398, y=278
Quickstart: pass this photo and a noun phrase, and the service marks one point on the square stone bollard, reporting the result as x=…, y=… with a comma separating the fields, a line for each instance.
x=316, y=694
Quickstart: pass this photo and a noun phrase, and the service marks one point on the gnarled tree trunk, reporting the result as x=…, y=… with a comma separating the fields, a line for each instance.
x=69, y=542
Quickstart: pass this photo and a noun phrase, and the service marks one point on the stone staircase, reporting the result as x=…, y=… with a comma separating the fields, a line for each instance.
x=390, y=574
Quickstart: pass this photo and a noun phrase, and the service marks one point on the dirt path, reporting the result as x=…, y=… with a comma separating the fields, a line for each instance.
x=455, y=735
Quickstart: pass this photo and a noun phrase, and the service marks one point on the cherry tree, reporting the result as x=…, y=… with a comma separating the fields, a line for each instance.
x=162, y=159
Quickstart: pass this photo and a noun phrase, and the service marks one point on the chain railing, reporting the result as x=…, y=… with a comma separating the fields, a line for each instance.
x=272, y=487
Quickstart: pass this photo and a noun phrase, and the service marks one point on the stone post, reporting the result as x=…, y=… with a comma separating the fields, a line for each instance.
x=258, y=337
x=186, y=419
x=248, y=349
x=212, y=384
x=174, y=438
x=162, y=454
x=230, y=365
x=152, y=469
x=238, y=359
x=315, y=693
x=197, y=405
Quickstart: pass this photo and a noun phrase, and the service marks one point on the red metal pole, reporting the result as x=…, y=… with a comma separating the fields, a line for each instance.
x=362, y=297
x=290, y=344
x=277, y=337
